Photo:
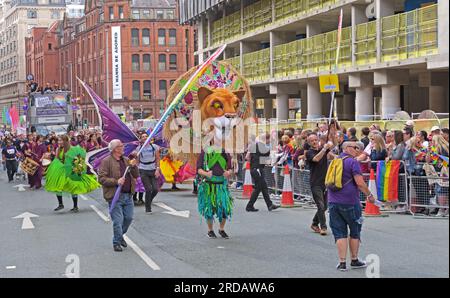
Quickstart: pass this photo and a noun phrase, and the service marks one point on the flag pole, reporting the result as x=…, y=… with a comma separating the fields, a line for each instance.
x=338, y=49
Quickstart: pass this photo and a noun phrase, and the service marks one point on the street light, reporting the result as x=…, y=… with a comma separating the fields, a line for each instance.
x=142, y=112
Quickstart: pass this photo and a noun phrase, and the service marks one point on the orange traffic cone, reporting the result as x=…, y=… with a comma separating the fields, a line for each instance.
x=372, y=210
x=287, y=196
x=248, y=185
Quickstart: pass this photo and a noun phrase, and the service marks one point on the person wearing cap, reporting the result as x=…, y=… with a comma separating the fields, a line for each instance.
x=111, y=175
x=435, y=130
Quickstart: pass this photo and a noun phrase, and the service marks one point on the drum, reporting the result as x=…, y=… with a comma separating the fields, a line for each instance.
x=29, y=166
x=45, y=163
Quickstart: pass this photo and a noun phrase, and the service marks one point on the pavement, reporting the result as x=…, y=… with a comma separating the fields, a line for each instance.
x=167, y=243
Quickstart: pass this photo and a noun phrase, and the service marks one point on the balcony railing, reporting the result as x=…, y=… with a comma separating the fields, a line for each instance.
x=404, y=36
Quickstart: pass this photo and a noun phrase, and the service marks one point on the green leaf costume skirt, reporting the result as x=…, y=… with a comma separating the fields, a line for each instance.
x=70, y=176
x=214, y=199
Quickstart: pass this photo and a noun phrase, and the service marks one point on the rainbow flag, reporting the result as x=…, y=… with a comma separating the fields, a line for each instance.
x=387, y=180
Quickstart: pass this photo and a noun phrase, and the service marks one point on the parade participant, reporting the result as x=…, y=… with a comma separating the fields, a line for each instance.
x=345, y=208
x=92, y=143
x=149, y=171
x=67, y=173
x=223, y=98
x=169, y=168
x=110, y=176
x=29, y=152
x=259, y=156
x=9, y=157
x=317, y=159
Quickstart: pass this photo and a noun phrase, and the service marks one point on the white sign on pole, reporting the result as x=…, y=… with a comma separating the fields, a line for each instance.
x=116, y=62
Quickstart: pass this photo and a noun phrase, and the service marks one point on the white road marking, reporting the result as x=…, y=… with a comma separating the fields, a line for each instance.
x=27, y=224
x=172, y=211
x=133, y=245
x=220, y=247
x=10, y=267
x=84, y=198
x=102, y=216
x=142, y=254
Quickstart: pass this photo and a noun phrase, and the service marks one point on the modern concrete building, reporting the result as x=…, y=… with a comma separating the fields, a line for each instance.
x=17, y=18
x=394, y=53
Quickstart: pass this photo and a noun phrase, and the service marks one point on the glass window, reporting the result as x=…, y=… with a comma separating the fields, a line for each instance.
x=55, y=14
x=161, y=37
x=169, y=14
x=172, y=37
x=163, y=88
x=146, y=37
x=147, y=90
x=111, y=12
x=159, y=14
x=173, y=62
x=146, y=62
x=135, y=65
x=136, y=90
x=135, y=13
x=162, y=62
x=121, y=12
x=135, y=37
x=32, y=14
x=146, y=14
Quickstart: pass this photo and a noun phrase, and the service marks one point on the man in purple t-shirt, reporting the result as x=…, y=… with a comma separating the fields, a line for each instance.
x=345, y=207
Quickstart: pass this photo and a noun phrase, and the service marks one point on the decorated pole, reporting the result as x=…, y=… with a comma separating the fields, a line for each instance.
x=339, y=35
x=198, y=73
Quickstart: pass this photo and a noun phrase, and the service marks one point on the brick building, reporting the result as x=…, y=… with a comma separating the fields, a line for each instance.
x=42, y=54
x=154, y=51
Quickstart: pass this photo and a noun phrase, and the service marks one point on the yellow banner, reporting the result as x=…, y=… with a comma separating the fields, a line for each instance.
x=329, y=83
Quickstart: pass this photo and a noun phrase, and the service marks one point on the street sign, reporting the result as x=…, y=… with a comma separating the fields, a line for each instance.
x=329, y=83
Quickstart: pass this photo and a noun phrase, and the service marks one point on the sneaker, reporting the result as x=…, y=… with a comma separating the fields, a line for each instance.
x=342, y=267
x=357, y=264
x=74, y=210
x=441, y=213
x=123, y=243
x=316, y=229
x=117, y=247
x=323, y=232
x=223, y=234
x=211, y=234
x=60, y=207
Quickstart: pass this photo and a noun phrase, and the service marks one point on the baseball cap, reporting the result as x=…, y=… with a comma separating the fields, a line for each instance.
x=435, y=128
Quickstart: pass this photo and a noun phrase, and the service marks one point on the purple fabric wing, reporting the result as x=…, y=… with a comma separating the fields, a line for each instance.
x=113, y=127
x=95, y=158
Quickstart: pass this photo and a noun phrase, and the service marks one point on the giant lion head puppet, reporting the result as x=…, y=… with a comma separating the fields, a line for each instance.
x=220, y=101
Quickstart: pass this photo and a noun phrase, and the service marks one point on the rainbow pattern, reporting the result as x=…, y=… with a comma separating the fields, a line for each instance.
x=387, y=180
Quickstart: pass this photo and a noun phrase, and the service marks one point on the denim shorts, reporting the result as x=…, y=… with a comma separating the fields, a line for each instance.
x=345, y=217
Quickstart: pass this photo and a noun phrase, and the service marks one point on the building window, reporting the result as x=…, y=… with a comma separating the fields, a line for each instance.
x=163, y=89
x=32, y=14
x=146, y=14
x=135, y=37
x=50, y=46
x=111, y=12
x=147, y=90
x=159, y=14
x=173, y=62
x=161, y=37
x=162, y=62
x=146, y=62
x=145, y=37
x=169, y=14
x=121, y=13
x=136, y=90
x=55, y=14
x=172, y=37
x=135, y=13
x=135, y=65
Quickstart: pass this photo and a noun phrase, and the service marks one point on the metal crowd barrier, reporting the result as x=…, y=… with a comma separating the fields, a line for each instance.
x=302, y=189
x=429, y=195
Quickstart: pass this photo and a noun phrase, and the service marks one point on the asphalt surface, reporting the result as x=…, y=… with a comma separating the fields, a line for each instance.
x=262, y=244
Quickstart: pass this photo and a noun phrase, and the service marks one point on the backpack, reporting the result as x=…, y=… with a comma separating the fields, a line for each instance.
x=333, y=179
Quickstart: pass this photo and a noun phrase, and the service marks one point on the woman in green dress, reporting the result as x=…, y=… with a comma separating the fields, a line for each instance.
x=67, y=173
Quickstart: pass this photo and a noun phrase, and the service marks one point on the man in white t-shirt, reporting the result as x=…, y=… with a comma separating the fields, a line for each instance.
x=149, y=171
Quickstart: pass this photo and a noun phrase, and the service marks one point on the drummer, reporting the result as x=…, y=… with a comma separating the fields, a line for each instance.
x=35, y=151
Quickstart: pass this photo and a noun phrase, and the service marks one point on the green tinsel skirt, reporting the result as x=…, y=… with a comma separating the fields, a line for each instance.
x=57, y=180
x=214, y=199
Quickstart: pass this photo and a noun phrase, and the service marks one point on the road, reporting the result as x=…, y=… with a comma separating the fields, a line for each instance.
x=263, y=244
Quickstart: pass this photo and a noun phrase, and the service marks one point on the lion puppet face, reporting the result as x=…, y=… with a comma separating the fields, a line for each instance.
x=221, y=107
